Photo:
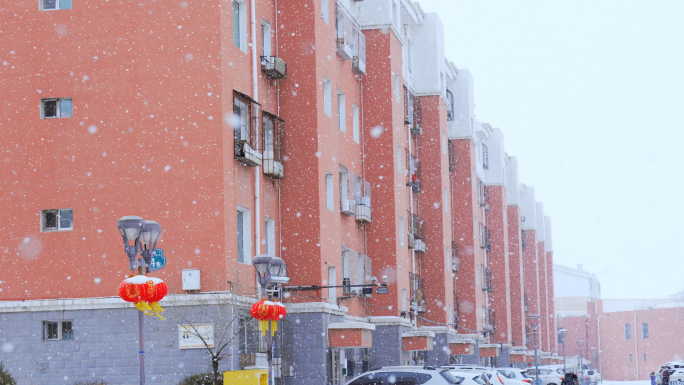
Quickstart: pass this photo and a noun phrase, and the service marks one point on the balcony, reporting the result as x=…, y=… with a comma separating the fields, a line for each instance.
x=487, y=280
x=363, y=204
x=247, y=155
x=359, y=55
x=243, y=132
x=416, y=233
x=274, y=67
x=345, y=34
x=273, y=144
x=414, y=173
x=455, y=260
x=417, y=288
x=413, y=112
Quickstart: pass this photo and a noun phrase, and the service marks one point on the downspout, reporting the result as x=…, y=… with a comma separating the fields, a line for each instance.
x=257, y=169
x=636, y=347
x=363, y=164
x=413, y=251
x=280, y=232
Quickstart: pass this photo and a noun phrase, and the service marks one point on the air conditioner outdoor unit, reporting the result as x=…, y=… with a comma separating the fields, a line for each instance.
x=358, y=65
x=348, y=207
x=420, y=246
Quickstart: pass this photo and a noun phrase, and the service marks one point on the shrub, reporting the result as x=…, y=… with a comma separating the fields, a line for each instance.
x=5, y=377
x=198, y=379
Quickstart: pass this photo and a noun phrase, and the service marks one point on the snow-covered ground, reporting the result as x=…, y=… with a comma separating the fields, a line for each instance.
x=645, y=382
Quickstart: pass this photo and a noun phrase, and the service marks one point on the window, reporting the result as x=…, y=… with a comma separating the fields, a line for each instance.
x=329, y=192
x=346, y=271
x=56, y=108
x=332, y=281
x=243, y=236
x=57, y=331
x=50, y=5
x=240, y=24
x=355, y=122
x=269, y=226
x=403, y=299
x=400, y=167
x=446, y=200
x=57, y=220
x=628, y=333
x=644, y=357
x=395, y=14
x=273, y=134
x=397, y=90
x=450, y=105
x=644, y=332
x=630, y=358
x=401, y=231
x=341, y=112
x=325, y=11
x=344, y=185
x=242, y=126
x=444, y=143
x=485, y=157
x=265, y=38
x=408, y=54
x=327, y=97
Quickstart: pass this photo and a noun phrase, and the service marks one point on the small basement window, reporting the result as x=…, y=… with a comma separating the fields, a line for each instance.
x=51, y=5
x=56, y=108
x=58, y=331
x=57, y=220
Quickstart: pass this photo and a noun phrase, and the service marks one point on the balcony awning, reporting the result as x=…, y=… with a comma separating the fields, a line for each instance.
x=489, y=350
x=350, y=335
x=517, y=356
x=417, y=340
x=461, y=347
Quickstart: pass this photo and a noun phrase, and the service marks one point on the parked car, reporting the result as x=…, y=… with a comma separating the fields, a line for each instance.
x=479, y=371
x=468, y=378
x=591, y=375
x=406, y=375
x=677, y=376
x=548, y=376
x=515, y=374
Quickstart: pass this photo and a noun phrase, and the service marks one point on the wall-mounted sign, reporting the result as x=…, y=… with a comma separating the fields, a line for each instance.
x=158, y=260
x=192, y=336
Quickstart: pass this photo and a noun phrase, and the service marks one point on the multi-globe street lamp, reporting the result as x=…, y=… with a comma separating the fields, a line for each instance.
x=562, y=333
x=580, y=343
x=534, y=320
x=271, y=273
x=139, y=237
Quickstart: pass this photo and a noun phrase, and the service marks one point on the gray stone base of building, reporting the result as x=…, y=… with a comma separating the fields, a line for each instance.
x=104, y=345
x=504, y=358
x=472, y=359
x=387, y=346
x=440, y=353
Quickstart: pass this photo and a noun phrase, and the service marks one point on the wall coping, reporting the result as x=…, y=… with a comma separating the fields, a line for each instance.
x=485, y=346
x=391, y=321
x=351, y=325
x=316, y=307
x=439, y=329
x=418, y=333
x=98, y=303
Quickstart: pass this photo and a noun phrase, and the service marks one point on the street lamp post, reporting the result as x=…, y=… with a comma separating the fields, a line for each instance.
x=593, y=357
x=580, y=343
x=271, y=272
x=139, y=236
x=534, y=320
x=562, y=333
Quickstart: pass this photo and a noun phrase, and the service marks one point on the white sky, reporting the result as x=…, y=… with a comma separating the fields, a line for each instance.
x=589, y=97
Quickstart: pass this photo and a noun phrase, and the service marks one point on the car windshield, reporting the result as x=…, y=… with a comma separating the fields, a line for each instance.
x=478, y=380
x=525, y=374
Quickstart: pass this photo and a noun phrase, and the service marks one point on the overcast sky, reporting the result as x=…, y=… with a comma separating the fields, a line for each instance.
x=589, y=97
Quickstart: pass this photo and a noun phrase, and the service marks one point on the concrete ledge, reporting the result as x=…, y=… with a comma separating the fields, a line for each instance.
x=418, y=333
x=351, y=325
x=199, y=299
x=391, y=321
x=316, y=307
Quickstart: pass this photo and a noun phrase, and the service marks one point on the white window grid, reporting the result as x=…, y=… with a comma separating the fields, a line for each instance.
x=63, y=108
x=56, y=220
x=58, y=330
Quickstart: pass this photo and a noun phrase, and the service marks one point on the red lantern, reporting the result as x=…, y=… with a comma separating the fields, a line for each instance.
x=160, y=290
x=281, y=311
x=136, y=289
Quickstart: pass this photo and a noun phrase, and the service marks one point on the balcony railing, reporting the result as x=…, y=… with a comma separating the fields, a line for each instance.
x=487, y=280
x=274, y=67
x=414, y=173
x=363, y=201
x=413, y=112
x=244, y=137
x=417, y=288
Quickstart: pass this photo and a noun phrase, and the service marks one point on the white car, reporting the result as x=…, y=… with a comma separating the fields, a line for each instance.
x=548, y=376
x=493, y=376
x=591, y=375
x=468, y=378
x=677, y=378
x=406, y=375
x=515, y=374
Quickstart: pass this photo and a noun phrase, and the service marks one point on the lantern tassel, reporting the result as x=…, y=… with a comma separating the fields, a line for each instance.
x=143, y=307
x=263, y=325
x=274, y=327
x=156, y=307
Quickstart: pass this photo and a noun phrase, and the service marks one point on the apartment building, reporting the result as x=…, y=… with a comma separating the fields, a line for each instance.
x=334, y=134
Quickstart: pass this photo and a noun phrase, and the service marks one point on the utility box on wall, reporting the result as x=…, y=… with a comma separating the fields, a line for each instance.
x=191, y=279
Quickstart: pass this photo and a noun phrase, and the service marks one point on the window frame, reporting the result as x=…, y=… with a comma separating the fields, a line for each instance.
x=242, y=24
x=325, y=11
x=246, y=236
x=58, y=216
x=341, y=111
x=266, y=41
x=327, y=96
x=485, y=157
x=644, y=331
x=60, y=324
x=269, y=236
x=628, y=332
x=329, y=191
x=58, y=108
x=356, y=123
x=58, y=5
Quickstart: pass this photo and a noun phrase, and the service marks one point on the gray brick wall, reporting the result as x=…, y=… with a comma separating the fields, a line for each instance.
x=105, y=345
x=386, y=348
x=305, y=347
x=472, y=359
x=504, y=358
x=439, y=355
